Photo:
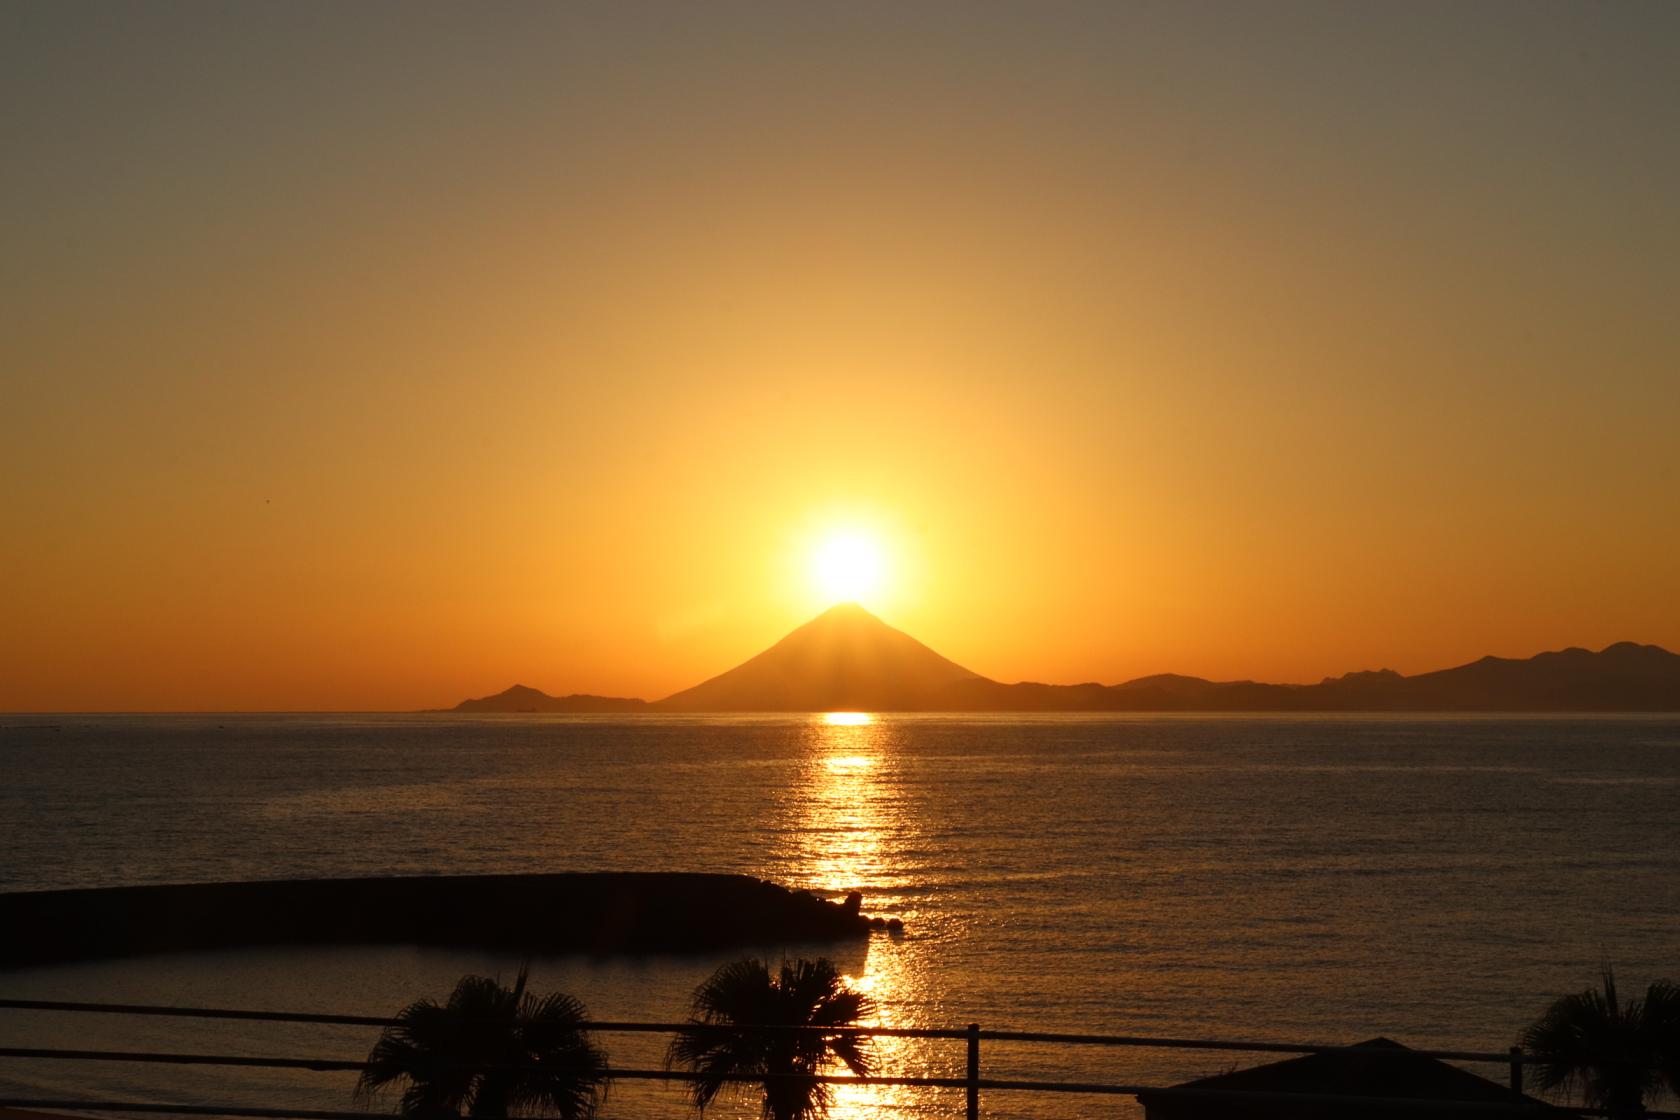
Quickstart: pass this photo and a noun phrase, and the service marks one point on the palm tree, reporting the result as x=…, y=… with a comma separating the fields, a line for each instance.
x=729, y=1040
x=1614, y=1053
x=489, y=1052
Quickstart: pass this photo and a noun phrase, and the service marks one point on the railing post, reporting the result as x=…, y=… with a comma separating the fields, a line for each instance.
x=1516, y=1069
x=974, y=1071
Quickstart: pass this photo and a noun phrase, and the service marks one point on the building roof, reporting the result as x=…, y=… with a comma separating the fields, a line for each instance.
x=1405, y=1083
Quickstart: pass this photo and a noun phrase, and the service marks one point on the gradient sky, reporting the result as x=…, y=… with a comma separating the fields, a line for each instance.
x=371, y=356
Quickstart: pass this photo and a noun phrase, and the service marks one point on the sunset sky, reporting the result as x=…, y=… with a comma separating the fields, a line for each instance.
x=360, y=356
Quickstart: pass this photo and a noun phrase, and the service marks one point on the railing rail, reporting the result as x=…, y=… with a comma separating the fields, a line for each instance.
x=971, y=1082
x=953, y=1033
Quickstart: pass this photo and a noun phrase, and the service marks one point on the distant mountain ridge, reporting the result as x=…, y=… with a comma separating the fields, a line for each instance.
x=846, y=659
x=521, y=698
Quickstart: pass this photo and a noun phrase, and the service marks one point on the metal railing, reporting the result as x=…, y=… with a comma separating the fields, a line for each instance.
x=971, y=1082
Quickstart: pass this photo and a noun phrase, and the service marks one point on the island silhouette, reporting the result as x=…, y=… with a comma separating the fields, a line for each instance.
x=847, y=659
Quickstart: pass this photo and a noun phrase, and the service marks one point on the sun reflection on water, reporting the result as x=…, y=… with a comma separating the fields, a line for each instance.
x=845, y=806
x=848, y=822
x=847, y=719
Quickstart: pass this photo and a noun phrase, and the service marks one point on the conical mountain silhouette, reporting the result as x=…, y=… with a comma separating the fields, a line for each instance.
x=845, y=659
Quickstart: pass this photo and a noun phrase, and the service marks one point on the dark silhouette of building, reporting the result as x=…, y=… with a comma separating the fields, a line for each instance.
x=1410, y=1085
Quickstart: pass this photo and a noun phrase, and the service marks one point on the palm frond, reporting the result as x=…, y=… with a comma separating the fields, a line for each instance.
x=1662, y=1016
x=1611, y=1053
x=735, y=1013
x=489, y=1052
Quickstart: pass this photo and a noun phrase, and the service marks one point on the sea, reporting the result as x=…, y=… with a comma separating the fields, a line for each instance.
x=1305, y=879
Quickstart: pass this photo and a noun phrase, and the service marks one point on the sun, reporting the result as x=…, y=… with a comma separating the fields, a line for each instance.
x=848, y=567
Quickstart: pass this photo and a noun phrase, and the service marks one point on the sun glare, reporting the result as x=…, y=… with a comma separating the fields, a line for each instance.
x=848, y=567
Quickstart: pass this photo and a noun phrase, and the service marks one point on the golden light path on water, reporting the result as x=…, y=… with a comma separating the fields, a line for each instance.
x=852, y=821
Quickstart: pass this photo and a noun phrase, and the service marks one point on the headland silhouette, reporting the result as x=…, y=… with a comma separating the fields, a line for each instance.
x=847, y=659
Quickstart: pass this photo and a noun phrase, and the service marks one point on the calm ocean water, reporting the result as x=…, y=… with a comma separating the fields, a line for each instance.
x=1300, y=879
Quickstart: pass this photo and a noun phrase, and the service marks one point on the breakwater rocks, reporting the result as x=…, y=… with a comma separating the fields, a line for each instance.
x=590, y=913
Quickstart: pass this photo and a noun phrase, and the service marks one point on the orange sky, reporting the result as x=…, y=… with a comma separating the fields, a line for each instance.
x=365, y=358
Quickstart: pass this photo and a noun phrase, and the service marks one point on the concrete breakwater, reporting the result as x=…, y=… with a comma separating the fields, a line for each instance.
x=605, y=912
